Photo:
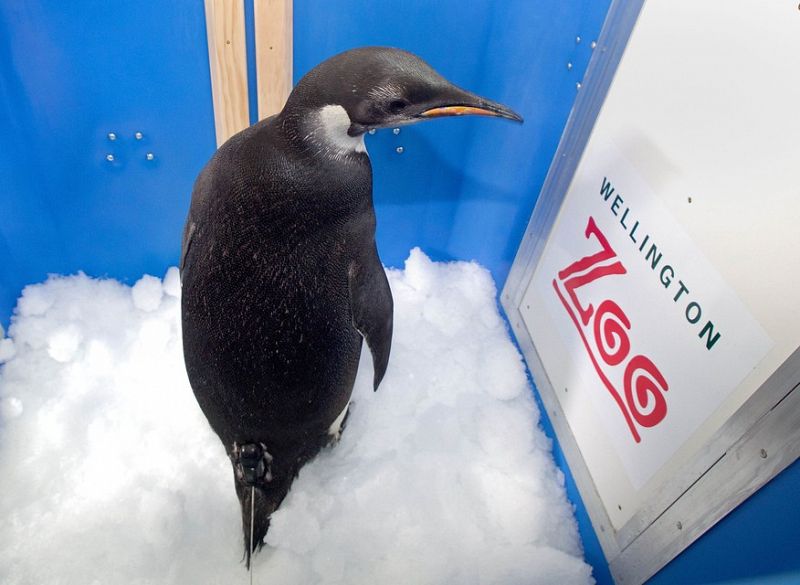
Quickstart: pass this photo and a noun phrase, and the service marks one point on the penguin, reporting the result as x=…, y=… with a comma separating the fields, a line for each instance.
x=281, y=279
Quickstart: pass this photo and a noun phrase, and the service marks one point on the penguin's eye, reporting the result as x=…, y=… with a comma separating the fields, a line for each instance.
x=397, y=106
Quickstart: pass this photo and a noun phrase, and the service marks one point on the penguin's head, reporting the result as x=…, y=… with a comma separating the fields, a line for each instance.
x=379, y=87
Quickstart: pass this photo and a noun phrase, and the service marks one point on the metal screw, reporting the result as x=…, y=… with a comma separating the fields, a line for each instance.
x=110, y=157
x=396, y=131
x=372, y=130
x=399, y=150
x=149, y=156
x=690, y=199
x=593, y=45
x=577, y=40
x=112, y=136
x=763, y=453
x=679, y=525
x=569, y=66
x=138, y=135
x=578, y=85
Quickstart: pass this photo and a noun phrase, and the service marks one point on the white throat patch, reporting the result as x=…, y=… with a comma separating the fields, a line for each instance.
x=329, y=132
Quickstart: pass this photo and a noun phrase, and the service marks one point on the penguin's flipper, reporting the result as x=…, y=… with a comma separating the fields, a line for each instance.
x=372, y=306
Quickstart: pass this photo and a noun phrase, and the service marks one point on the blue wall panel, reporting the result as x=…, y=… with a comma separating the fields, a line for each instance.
x=72, y=72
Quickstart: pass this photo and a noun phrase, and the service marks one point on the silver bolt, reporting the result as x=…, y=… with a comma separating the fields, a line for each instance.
x=138, y=135
x=679, y=525
x=578, y=85
x=569, y=66
x=372, y=130
x=110, y=157
x=593, y=45
x=149, y=156
x=396, y=131
x=112, y=136
x=399, y=150
x=577, y=40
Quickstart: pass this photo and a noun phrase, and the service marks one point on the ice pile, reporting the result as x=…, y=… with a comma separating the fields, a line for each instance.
x=110, y=474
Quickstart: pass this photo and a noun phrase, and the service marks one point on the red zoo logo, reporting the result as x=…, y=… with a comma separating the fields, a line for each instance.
x=642, y=400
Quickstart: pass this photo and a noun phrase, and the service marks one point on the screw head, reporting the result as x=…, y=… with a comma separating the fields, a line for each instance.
x=577, y=40
x=593, y=44
x=569, y=66
x=110, y=157
x=149, y=156
x=138, y=135
x=399, y=150
x=372, y=130
x=112, y=136
x=396, y=131
x=578, y=85
x=679, y=525
x=763, y=453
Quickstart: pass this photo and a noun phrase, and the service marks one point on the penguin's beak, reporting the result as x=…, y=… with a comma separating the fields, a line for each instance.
x=469, y=104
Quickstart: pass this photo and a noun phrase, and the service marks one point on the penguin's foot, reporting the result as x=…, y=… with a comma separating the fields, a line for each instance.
x=252, y=464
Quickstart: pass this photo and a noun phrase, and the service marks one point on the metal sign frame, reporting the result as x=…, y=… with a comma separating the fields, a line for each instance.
x=758, y=441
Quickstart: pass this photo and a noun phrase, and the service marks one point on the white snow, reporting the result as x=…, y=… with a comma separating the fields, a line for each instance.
x=147, y=293
x=110, y=474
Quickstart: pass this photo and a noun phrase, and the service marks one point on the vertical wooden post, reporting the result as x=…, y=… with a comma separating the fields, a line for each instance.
x=273, y=24
x=228, y=61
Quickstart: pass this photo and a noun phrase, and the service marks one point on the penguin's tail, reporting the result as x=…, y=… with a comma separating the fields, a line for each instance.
x=255, y=518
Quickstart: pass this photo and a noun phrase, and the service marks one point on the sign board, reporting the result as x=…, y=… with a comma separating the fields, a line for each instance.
x=654, y=295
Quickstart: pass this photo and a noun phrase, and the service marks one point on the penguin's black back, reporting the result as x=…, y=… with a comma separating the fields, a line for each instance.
x=269, y=341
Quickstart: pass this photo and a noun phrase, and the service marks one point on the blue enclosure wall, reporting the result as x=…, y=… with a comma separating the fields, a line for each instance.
x=72, y=72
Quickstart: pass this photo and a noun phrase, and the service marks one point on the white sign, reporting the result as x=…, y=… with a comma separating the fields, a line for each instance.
x=654, y=330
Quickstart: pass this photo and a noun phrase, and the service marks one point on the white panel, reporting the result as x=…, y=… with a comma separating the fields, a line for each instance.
x=699, y=137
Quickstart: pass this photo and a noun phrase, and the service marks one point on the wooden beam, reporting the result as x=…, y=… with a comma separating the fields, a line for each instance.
x=273, y=24
x=227, y=57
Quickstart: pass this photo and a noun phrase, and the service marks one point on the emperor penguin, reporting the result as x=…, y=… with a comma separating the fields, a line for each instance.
x=281, y=279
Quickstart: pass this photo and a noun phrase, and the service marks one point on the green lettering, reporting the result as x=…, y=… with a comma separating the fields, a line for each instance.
x=606, y=190
x=712, y=337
